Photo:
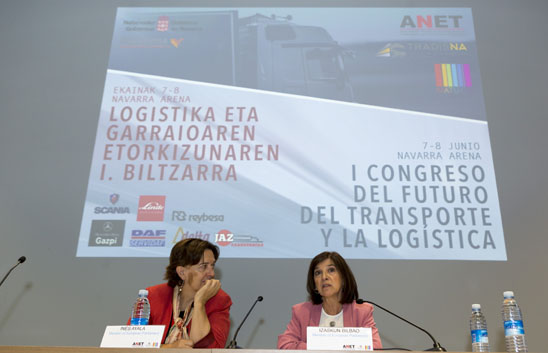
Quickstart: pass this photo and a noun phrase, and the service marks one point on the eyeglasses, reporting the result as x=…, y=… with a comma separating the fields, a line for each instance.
x=330, y=269
x=202, y=267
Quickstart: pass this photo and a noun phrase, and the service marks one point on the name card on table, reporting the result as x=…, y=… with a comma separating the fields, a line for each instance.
x=339, y=338
x=138, y=336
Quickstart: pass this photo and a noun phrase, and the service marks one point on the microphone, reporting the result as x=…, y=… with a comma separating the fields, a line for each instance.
x=232, y=343
x=437, y=347
x=19, y=261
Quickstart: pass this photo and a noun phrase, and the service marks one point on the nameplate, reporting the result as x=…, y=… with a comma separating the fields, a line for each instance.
x=138, y=336
x=339, y=338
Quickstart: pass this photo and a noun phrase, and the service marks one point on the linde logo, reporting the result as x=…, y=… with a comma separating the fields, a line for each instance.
x=151, y=208
x=431, y=22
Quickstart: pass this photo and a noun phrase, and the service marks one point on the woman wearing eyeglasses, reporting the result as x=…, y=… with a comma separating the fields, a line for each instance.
x=332, y=291
x=192, y=305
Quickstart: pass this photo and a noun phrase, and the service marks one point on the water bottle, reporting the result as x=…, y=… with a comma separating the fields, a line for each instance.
x=478, y=330
x=141, y=309
x=513, y=324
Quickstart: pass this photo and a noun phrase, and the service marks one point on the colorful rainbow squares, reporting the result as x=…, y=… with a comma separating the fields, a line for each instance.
x=453, y=75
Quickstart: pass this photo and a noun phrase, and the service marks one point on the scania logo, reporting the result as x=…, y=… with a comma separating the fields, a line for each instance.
x=116, y=210
x=113, y=198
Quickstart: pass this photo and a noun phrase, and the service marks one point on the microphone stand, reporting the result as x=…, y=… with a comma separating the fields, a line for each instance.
x=436, y=347
x=19, y=261
x=233, y=343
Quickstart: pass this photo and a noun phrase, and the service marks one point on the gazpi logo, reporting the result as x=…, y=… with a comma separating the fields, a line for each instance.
x=224, y=237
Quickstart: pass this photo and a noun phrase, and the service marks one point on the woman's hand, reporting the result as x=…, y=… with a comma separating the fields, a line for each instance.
x=208, y=291
x=200, y=321
x=182, y=343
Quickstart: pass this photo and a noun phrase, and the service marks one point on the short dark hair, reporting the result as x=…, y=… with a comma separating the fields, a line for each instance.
x=187, y=252
x=349, y=287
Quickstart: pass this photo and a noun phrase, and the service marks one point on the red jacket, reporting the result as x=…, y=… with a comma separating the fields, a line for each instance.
x=217, y=310
x=307, y=314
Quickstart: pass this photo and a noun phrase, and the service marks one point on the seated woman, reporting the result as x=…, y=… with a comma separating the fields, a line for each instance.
x=191, y=304
x=332, y=291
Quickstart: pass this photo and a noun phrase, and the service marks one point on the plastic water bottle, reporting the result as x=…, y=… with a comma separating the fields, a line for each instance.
x=478, y=330
x=513, y=324
x=141, y=309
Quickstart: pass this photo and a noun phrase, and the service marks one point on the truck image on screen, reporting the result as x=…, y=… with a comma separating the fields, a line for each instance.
x=268, y=53
x=278, y=55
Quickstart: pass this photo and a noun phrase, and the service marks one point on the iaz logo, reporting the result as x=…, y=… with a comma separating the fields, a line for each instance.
x=224, y=237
